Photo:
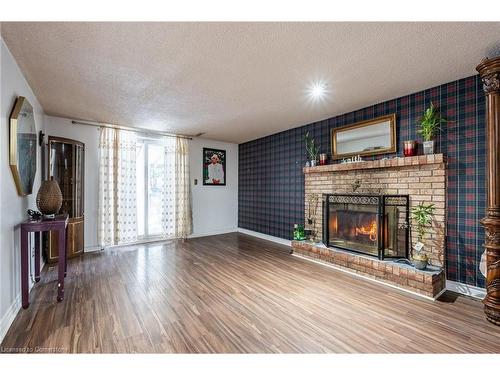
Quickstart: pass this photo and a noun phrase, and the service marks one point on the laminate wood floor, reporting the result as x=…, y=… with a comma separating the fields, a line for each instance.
x=236, y=294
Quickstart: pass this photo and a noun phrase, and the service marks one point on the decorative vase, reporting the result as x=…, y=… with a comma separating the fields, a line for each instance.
x=410, y=148
x=420, y=262
x=49, y=198
x=428, y=147
x=313, y=163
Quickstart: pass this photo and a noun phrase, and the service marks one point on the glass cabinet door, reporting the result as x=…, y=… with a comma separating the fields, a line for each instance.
x=78, y=181
x=66, y=163
x=61, y=168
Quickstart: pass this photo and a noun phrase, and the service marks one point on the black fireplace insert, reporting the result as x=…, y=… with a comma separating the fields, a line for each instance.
x=376, y=225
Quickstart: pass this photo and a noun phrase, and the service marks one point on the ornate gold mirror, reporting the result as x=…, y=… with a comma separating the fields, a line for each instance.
x=22, y=157
x=372, y=137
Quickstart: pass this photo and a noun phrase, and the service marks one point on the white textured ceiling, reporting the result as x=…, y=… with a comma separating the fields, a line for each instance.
x=236, y=81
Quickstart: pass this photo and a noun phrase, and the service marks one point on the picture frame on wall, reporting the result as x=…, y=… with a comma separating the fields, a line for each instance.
x=214, y=167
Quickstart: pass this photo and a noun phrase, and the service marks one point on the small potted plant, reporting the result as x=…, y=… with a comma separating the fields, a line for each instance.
x=430, y=124
x=422, y=214
x=312, y=150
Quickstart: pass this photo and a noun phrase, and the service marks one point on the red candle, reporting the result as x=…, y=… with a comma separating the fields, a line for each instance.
x=323, y=158
x=410, y=148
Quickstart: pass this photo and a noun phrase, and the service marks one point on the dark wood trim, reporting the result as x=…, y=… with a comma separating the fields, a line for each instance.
x=53, y=138
x=489, y=70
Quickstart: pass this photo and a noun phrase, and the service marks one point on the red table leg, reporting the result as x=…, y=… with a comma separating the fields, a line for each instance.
x=24, y=269
x=37, y=256
x=62, y=263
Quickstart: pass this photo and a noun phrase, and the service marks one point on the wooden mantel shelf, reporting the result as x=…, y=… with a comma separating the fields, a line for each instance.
x=383, y=163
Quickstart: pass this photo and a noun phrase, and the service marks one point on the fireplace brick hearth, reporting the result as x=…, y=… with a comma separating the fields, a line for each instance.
x=422, y=178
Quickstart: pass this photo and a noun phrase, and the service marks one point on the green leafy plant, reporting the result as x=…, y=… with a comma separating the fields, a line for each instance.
x=430, y=123
x=422, y=214
x=312, y=149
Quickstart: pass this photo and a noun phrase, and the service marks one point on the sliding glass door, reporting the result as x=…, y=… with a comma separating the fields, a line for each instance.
x=151, y=176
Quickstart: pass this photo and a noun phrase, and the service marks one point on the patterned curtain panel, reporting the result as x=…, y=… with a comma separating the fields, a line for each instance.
x=176, y=205
x=168, y=190
x=183, y=219
x=117, y=221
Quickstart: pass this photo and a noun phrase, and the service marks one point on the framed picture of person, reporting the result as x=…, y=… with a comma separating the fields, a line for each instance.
x=214, y=167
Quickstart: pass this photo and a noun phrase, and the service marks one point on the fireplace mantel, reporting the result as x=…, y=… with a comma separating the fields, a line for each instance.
x=383, y=163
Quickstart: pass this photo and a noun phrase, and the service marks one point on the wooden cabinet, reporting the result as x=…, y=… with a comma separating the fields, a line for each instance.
x=66, y=164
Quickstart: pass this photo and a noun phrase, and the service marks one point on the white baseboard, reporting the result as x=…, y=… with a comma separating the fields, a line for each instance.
x=281, y=241
x=9, y=317
x=14, y=308
x=213, y=233
x=468, y=290
x=91, y=249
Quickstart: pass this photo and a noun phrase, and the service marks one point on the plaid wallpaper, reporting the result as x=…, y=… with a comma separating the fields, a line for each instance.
x=271, y=183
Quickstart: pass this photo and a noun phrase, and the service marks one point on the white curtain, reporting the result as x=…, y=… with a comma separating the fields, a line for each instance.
x=183, y=219
x=168, y=190
x=117, y=220
x=176, y=204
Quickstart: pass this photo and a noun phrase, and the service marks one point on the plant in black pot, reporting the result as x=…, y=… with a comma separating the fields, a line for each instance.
x=312, y=150
x=422, y=215
x=430, y=124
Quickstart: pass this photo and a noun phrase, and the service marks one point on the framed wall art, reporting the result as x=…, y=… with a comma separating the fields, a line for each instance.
x=214, y=167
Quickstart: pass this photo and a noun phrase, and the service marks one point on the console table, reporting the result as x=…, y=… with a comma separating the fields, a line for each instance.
x=58, y=224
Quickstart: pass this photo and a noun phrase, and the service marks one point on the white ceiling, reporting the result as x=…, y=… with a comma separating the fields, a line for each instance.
x=236, y=81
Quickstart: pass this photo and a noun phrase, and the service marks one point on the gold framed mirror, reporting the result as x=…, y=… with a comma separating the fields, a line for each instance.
x=371, y=137
x=22, y=148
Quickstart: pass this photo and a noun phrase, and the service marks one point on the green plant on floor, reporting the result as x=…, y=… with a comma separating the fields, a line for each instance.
x=430, y=123
x=422, y=215
x=312, y=149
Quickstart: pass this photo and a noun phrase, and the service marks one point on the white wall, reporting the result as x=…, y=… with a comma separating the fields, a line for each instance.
x=215, y=208
x=89, y=135
x=12, y=207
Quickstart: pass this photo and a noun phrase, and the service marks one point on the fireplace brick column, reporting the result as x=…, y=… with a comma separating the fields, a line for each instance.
x=489, y=70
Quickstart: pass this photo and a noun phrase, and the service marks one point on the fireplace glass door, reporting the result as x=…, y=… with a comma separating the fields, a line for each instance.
x=375, y=225
x=395, y=228
x=355, y=226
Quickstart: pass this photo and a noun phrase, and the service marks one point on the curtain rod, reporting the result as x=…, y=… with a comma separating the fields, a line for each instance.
x=136, y=130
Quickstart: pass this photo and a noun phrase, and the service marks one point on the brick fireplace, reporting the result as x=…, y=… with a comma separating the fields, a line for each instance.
x=421, y=178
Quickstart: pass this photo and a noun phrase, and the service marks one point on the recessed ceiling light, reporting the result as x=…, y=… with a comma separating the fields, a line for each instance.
x=317, y=90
